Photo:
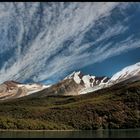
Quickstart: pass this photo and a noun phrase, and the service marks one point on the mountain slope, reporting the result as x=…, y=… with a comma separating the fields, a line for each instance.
x=113, y=107
x=87, y=80
x=74, y=84
x=77, y=83
x=12, y=89
x=90, y=83
x=126, y=73
x=116, y=105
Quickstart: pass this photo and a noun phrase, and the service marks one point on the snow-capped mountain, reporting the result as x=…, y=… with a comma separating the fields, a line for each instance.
x=12, y=89
x=93, y=83
x=89, y=83
x=74, y=84
x=126, y=73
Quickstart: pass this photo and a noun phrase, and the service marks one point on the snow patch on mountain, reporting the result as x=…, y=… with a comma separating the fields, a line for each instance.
x=33, y=88
x=90, y=83
x=86, y=79
x=126, y=73
x=76, y=77
x=91, y=89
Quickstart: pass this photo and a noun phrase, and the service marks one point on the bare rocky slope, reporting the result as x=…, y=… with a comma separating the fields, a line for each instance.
x=11, y=89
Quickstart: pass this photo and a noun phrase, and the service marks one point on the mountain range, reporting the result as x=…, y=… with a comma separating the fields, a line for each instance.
x=74, y=84
x=78, y=102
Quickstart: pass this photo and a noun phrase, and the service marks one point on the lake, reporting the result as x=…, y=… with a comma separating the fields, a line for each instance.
x=113, y=133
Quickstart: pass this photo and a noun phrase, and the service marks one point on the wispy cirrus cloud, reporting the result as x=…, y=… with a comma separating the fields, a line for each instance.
x=41, y=52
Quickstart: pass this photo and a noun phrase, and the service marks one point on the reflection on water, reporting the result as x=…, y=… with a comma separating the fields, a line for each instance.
x=120, y=133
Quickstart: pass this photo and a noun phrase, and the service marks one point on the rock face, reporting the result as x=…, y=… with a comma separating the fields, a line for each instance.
x=75, y=84
x=88, y=82
x=65, y=87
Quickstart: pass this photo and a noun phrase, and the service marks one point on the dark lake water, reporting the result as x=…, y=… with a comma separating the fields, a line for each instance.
x=120, y=133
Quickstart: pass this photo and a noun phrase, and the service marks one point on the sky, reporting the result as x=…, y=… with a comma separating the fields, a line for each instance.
x=46, y=41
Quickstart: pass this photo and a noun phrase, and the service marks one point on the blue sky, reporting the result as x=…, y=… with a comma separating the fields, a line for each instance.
x=110, y=66
x=44, y=42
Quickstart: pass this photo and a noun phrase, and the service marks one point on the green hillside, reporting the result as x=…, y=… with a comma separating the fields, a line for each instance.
x=115, y=107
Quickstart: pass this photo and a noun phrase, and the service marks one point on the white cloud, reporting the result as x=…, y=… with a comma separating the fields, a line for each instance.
x=60, y=24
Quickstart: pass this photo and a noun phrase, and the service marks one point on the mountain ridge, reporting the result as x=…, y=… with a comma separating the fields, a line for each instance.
x=74, y=84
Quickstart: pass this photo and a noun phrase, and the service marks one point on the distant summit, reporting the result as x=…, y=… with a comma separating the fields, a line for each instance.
x=74, y=84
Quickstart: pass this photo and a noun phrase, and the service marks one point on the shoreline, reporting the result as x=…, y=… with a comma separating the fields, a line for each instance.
x=67, y=130
x=35, y=130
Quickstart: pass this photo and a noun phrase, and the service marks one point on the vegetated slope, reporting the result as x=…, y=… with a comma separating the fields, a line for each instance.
x=115, y=107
